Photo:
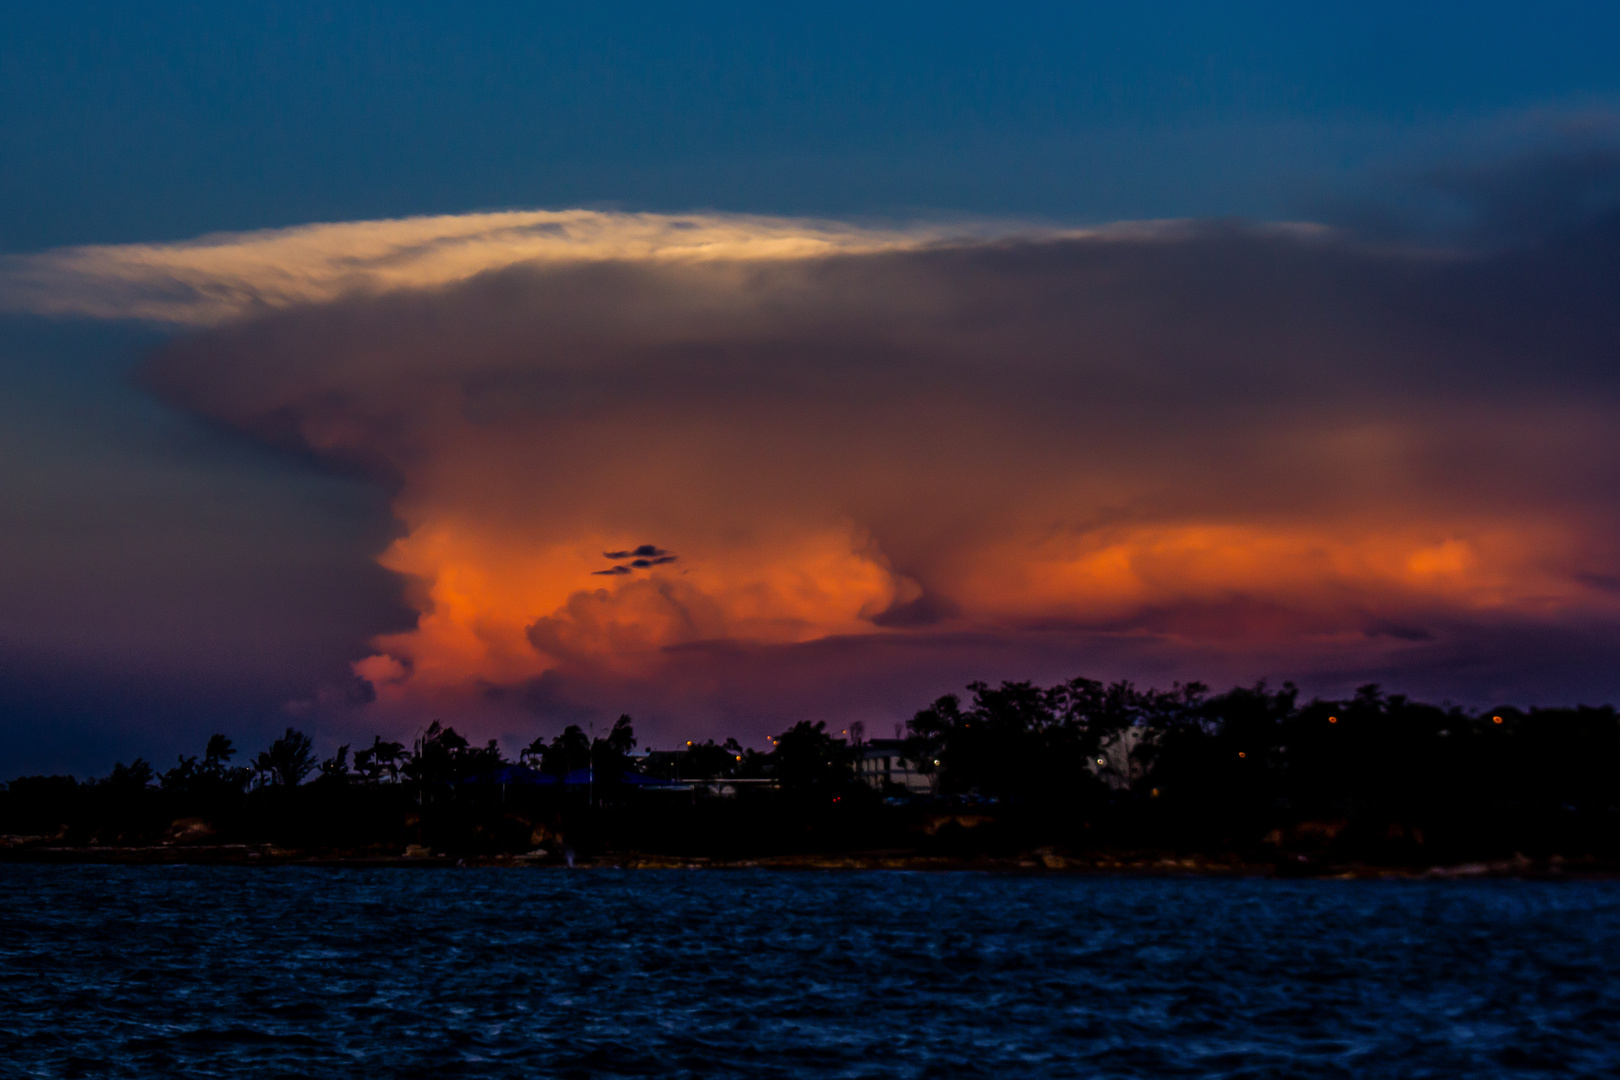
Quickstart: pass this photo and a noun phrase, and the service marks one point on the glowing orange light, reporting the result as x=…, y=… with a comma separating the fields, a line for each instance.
x=1242, y=754
x=1333, y=719
x=1496, y=719
x=504, y=601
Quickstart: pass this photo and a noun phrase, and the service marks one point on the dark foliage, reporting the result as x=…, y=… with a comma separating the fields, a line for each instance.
x=378, y=761
x=287, y=760
x=808, y=760
x=444, y=758
x=1254, y=771
x=212, y=777
x=1379, y=777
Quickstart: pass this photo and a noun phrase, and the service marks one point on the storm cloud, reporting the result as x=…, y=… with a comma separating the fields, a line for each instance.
x=910, y=458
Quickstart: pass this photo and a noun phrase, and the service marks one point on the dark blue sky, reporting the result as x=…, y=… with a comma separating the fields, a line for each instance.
x=143, y=543
x=164, y=120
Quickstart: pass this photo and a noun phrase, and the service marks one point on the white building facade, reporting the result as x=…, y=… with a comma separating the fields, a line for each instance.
x=882, y=762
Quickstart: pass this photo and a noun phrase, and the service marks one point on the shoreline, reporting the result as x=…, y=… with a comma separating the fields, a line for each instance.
x=1034, y=863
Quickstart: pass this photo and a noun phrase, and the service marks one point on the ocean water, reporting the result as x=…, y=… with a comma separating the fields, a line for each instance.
x=300, y=972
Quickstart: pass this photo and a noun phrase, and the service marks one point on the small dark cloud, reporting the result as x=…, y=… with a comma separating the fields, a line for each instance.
x=645, y=551
x=641, y=558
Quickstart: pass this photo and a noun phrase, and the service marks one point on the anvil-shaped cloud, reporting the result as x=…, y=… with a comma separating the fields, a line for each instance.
x=893, y=459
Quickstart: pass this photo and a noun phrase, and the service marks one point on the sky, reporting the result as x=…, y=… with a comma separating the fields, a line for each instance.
x=729, y=366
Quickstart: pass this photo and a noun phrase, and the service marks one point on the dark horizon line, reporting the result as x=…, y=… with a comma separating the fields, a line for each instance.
x=1372, y=691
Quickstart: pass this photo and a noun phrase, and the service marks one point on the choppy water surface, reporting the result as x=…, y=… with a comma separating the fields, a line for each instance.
x=158, y=971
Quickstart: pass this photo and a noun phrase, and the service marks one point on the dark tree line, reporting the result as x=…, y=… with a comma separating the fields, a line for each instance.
x=1084, y=764
x=1376, y=773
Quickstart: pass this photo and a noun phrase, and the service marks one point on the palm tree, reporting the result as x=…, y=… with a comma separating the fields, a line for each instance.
x=218, y=753
x=288, y=760
x=335, y=769
x=132, y=777
x=378, y=758
x=569, y=751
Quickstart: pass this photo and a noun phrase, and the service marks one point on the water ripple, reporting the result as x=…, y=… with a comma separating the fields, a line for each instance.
x=225, y=972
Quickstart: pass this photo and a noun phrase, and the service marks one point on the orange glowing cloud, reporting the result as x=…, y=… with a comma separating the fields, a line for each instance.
x=852, y=452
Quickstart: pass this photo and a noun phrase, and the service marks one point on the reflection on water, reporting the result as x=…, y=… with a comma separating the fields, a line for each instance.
x=162, y=971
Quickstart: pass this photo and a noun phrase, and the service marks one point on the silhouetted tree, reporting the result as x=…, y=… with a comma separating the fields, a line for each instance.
x=335, y=769
x=209, y=779
x=806, y=758
x=569, y=751
x=621, y=739
x=183, y=777
x=218, y=751
x=287, y=760
x=378, y=759
x=136, y=776
x=610, y=755
x=709, y=760
x=444, y=757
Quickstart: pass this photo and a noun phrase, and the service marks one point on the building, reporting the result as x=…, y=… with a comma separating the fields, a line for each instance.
x=1117, y=763
x=882, y=763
